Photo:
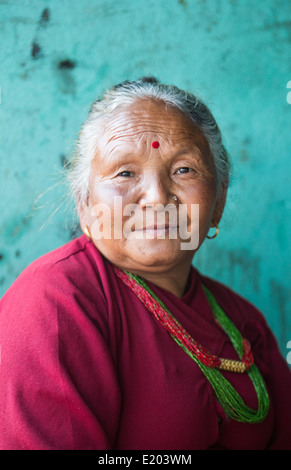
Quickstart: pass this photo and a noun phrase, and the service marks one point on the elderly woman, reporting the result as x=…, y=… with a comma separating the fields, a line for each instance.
x=115, y=341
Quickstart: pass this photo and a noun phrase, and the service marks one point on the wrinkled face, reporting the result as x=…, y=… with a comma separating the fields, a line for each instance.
x=129, y=172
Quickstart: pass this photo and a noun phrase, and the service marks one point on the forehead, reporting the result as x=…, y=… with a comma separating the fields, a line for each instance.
x=150, y=119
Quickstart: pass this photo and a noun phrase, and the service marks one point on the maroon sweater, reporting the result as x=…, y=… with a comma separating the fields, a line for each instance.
x=84, y=365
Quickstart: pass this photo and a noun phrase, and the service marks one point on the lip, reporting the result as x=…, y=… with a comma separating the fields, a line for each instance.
x=156, y=227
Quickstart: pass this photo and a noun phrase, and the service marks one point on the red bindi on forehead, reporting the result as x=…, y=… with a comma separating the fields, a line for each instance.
x=155, y=144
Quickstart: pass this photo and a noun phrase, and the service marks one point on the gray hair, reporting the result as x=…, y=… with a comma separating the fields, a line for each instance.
x=126, y=94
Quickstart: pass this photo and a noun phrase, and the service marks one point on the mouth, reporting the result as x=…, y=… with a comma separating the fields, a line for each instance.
x=156, y=231
x=156, y=227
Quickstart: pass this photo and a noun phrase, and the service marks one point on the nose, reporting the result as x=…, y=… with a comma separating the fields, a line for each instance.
x=155, y=190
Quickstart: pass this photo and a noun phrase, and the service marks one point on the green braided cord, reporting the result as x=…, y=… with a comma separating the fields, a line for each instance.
x=225, y=323
x=254, y=374
x=231, y=402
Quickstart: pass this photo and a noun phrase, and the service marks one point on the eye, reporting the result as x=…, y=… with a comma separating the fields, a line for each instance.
x=183, y=170
x=125, y=174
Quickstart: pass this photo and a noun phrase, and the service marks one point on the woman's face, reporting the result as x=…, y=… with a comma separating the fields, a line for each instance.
x=129, y=170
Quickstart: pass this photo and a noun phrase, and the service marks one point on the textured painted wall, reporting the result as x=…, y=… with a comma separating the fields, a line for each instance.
x=57, y=57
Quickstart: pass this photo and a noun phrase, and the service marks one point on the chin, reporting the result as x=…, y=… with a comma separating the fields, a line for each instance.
x=157, y=253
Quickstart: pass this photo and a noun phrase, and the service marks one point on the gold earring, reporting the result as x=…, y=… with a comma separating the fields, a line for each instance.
x=87, y=232
x=216, y=233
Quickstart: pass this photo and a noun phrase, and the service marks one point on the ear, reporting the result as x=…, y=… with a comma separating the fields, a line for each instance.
x=219, y=207
x=84, y=213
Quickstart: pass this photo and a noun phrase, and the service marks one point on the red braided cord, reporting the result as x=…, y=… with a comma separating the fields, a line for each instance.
x=248, y=358
x=169, y=322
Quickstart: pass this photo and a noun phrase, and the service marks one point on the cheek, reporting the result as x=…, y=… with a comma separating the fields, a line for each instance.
x=120, y=199
x=107, y=192
x=203, y=195
x=108, y=208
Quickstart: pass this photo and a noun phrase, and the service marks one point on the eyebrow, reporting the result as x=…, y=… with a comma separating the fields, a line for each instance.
x=195, y=150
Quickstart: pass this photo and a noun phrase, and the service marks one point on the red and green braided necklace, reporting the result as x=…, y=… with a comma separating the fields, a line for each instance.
x=211, y=365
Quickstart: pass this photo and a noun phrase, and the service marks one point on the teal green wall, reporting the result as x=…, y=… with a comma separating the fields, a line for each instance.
x=57, y=56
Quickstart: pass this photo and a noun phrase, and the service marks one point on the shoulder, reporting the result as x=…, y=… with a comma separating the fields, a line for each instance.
x=61, y=260
x=57, y=300
x=66, y=279
x=68, y=263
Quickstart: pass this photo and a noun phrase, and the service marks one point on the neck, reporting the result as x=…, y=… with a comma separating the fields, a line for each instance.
x=174, y=281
